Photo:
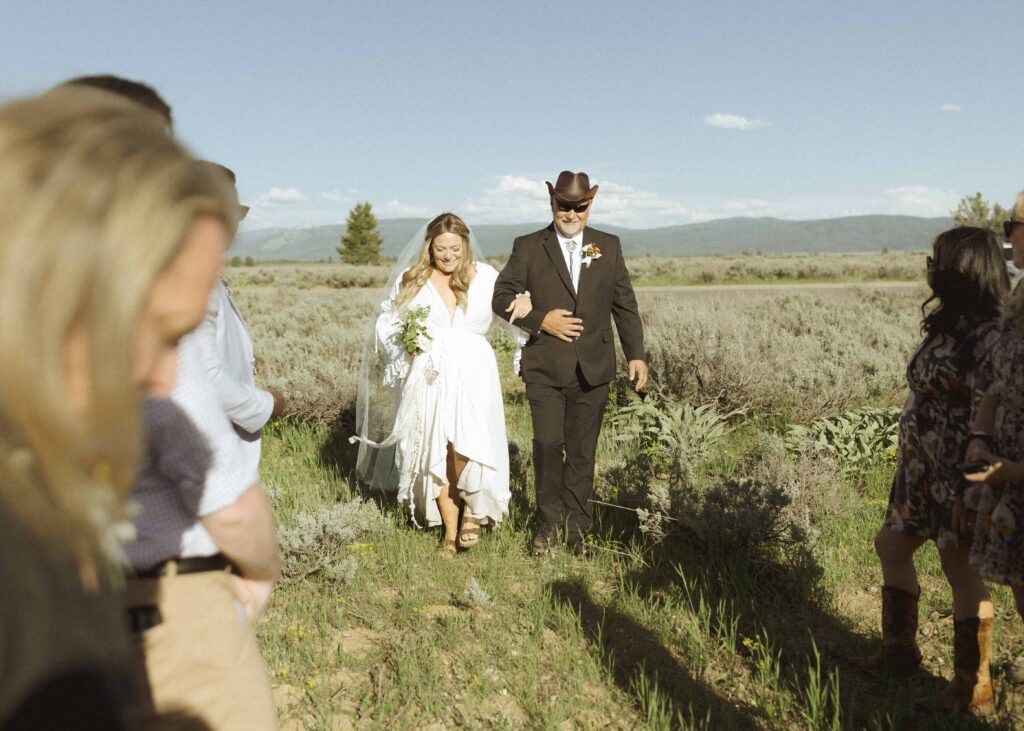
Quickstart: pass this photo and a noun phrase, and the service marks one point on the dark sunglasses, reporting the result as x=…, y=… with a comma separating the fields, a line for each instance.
x=1008, y=227
x=566, y=207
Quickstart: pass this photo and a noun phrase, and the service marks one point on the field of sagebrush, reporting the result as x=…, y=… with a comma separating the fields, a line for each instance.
x=645, y=271
x=734, y=574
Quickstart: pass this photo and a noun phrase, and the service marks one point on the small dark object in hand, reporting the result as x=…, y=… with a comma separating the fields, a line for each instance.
x=970, y=468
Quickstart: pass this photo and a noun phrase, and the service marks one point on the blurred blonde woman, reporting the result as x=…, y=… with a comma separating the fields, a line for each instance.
x=947, y=375
x=110, y=241
x=447, y=449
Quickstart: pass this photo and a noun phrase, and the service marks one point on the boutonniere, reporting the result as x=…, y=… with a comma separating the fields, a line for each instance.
x=590, y=252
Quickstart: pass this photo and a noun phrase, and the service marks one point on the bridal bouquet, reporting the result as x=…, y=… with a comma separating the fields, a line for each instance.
x=413, y=333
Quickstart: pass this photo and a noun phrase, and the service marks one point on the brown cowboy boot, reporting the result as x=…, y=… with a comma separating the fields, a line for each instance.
x=899, y=653
x=971, y=686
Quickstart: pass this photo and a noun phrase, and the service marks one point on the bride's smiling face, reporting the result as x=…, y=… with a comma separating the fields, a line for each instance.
x=447, y=251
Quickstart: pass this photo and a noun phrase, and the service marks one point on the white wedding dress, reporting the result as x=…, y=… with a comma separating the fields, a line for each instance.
x=449, y=393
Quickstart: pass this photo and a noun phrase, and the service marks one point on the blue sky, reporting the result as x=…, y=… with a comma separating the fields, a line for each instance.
x=681, y=111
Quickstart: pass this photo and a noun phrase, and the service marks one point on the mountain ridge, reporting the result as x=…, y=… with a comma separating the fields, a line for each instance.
x=722, y=236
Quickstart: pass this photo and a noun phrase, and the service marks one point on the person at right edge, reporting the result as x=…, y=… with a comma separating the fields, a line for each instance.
x=930, y=499
x=578, y=282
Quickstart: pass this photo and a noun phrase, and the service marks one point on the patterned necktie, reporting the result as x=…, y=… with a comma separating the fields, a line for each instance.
x=574, y=272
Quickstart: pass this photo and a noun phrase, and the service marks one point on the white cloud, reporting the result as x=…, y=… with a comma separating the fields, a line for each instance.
x=397, y=209
x=951, y=107
x=520, y=199
x=622, y=205
x=920, y=200
x=279, y=196
x=512, y=198
x=340, y=196
x=732, y=121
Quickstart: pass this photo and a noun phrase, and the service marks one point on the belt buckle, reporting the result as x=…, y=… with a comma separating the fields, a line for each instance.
x=144, y=617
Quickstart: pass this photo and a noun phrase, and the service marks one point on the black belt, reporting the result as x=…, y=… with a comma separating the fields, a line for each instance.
x=177, y=566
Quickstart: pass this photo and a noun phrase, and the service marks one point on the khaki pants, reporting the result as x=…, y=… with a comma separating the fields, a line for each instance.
x=202, y=664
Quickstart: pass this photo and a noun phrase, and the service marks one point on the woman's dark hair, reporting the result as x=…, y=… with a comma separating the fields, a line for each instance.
x=968, y=277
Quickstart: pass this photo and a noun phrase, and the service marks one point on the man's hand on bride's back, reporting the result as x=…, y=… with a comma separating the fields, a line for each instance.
x=562, y=325
x=521, y=306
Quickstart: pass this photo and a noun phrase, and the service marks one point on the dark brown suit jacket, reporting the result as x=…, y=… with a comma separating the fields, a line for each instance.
x=605, y=293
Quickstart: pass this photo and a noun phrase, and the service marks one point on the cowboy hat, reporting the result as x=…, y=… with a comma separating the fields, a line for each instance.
x=572, y=187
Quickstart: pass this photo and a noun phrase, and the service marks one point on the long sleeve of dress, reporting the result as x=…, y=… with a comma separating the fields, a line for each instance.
x=389, y=322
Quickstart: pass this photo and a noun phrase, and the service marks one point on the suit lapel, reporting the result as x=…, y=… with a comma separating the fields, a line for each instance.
x=554, y=250
x=584, y=269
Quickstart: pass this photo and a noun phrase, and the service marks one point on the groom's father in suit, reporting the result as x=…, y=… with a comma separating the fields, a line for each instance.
x=578, y=281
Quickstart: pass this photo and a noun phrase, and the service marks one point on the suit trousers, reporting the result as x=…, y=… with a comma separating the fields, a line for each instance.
x=201, y=662
x=566, y=425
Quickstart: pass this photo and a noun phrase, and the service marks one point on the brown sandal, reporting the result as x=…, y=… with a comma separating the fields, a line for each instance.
x=469, y=531
x=446, y=548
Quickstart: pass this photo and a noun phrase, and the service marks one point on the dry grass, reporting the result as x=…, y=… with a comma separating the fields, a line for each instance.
x=758, y=268
x=644, y=270
x=309, y=343
x=656, y=636
x=798, y=355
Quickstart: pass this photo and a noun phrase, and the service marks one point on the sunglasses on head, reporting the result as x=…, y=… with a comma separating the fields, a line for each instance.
x=1008, y=227
x=566, y=207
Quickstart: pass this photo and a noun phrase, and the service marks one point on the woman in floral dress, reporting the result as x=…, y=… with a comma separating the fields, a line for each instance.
x=998, y=439
x=968, y=279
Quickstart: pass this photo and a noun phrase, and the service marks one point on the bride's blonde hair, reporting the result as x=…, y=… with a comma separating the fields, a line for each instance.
x=418, y=274
x=95, y=201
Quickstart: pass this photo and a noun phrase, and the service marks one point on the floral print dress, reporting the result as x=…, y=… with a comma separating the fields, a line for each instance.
x=947, y=376
x=998, y=546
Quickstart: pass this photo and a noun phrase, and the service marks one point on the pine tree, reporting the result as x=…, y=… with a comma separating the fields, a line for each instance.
x=976, y=211
x=362, y=241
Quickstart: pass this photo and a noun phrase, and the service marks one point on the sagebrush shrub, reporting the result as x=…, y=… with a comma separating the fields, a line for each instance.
x=796, y=356
x=900, y=266
x=774, y=511
x=323, y=541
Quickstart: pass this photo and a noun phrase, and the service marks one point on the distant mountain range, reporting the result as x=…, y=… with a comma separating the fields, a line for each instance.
x=723, y=236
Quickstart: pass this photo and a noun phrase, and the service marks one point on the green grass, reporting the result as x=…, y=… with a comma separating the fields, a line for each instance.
x=642, y=636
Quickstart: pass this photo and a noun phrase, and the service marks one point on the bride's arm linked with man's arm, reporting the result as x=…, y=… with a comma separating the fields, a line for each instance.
x=511, y=283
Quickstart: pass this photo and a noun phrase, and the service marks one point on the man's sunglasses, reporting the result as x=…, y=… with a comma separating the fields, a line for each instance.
x=566, y=207
x=1008, y=227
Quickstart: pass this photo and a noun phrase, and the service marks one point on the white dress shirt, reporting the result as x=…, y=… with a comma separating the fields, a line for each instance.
x=574, y=270
x=228, y=357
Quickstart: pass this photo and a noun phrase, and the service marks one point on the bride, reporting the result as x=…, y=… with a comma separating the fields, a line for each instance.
x=429, y=412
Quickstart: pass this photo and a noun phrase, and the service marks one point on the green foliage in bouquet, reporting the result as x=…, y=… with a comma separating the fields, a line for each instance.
x=413, y=333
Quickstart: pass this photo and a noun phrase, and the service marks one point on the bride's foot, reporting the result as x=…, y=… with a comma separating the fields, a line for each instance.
x=446, y=548
x=469, y=532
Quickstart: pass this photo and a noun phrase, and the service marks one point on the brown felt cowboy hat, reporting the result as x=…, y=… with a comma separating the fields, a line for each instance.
x=572, y=188
x=230, y=174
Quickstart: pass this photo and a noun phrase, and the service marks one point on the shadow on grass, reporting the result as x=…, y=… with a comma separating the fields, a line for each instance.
x=338, y=455
x=638, y=659
x=785, y=608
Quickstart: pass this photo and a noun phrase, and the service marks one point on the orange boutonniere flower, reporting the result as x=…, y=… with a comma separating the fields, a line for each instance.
x=590, y=252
